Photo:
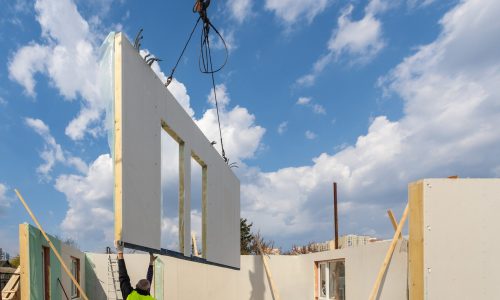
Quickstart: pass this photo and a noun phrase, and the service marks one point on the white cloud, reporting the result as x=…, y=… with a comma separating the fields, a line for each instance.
x=451, y=107
x=293, y=11
x=316, y=108
x=282, y=127
x=3, y=101
x=4, y=200
x=52, y=151
x=68, y=57
x=240, y=9
x=359, y=41
x=310, y=135
x=304, y=100
x=89, y=218
x=240, y=134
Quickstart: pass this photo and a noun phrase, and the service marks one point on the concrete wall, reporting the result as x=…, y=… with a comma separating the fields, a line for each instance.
x=294, y=275
x=460, y=246
x=142, y=107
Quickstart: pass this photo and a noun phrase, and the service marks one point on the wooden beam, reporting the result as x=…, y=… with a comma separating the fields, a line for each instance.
x=61, y=261
x=416, y=242
x=24, y=258
x=118, y=142
x=393, y=221
x=388, y=256
x=274, y=290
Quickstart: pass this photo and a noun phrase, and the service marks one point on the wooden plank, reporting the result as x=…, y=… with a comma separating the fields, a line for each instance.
x=11, y=289
x=388, y=256
x=274, y=290
x=204, y=210
x=24, y=260
x=393, y=221
x=61, y=261
x=416, y=242
x=117, y=143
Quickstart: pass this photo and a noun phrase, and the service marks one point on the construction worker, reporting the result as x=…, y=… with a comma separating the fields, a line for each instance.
x=143, y=286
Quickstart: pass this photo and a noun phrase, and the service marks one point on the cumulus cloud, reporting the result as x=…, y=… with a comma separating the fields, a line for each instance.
x=451, y=106
x=52, y=151
x=240, y=133
x=68, y=57
x=358, y=40
x=89, y=218
x=293, y=11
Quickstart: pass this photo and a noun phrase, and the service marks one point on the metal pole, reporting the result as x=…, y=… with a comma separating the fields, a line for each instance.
x=335, y=215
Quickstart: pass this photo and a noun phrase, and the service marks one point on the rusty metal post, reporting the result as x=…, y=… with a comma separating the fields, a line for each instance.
x=335, y=215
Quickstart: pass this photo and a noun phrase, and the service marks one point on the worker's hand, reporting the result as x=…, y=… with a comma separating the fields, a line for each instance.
x=152, y=258
x=119, y=247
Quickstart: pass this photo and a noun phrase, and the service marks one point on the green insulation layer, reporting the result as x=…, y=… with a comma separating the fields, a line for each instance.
x=36, y=244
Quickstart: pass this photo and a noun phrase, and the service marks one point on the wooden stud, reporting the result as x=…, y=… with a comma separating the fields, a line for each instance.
x=61, y=261
x=416, y=242
x=393, y=221
x=24, y=256
x=118, y=154
x=274, y=290
x=204, y=210
x=388, y=256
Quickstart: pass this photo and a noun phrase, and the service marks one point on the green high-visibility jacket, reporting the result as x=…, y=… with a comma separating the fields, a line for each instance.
x=136, y=296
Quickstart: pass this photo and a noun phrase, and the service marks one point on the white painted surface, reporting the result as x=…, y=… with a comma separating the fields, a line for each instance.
x=145, y=103
x=294, y=275
x=461, y=244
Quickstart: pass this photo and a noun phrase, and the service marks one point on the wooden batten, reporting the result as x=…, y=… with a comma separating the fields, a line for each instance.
x=24, y=260
x=118, y=155
x=416, y=242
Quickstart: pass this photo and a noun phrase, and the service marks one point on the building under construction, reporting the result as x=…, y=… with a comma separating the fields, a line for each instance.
x=437, y=260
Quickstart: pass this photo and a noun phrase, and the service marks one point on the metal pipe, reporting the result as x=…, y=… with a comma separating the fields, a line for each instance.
x=335, y=215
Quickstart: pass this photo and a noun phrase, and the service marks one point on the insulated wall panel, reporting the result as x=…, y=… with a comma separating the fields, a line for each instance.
x=143, y=106
x=454, y=248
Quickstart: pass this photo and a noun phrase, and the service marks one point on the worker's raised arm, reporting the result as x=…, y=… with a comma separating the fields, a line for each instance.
x=149, y=276
x=125, y=285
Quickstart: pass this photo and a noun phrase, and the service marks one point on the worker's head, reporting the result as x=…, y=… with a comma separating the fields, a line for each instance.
x=143, y=285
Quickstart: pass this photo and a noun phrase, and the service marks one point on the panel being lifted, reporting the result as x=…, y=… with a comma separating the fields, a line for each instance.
x=142, y=108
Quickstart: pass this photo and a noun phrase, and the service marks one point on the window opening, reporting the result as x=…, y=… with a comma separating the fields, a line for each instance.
x=331, y=280
x=170, y=237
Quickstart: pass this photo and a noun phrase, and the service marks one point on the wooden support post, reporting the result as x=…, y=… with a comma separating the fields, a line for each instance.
x=394, y=221
x=274, y=290
x=82, y=293
x=195, y=246
x=388, y=256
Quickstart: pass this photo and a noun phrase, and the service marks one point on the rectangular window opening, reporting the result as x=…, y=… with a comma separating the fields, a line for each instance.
x=198, y=205
x=46, y=272
x=75, y=271
x=170, y=185
x=331, y=280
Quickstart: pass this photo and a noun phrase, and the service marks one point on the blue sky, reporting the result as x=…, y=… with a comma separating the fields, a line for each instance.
x=371, y=94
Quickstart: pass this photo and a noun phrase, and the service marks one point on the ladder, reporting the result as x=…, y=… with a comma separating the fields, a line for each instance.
x=114, y=291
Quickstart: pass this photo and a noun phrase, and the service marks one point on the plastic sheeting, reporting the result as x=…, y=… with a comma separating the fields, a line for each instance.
x=36, y=241
x=106, y=84
x=158, y=279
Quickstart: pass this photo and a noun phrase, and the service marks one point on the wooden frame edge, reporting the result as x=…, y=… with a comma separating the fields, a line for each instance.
x=24, y=260
x=117, y=155
x=416, y=241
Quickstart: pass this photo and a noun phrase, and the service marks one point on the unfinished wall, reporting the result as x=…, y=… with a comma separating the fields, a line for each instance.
x=453, y=239
x=142, y=108
x=32, y=271
x=293, y=275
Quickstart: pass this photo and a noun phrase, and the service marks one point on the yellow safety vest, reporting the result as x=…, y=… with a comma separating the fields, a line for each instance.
x=136, y=296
